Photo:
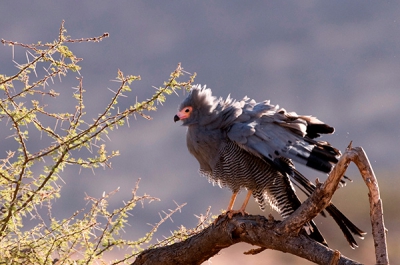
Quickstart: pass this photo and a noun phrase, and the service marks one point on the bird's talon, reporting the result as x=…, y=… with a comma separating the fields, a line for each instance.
x=231, y=213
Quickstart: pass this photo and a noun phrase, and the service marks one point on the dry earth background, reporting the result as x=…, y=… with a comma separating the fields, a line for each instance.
x=337, y=60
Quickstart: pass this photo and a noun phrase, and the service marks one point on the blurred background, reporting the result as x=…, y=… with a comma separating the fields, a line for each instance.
x=337, y=60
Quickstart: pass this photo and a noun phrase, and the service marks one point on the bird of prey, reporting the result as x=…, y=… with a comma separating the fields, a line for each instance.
x=249, y=145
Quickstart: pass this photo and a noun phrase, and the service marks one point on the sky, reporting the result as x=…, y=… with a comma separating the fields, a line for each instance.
x=336, y=60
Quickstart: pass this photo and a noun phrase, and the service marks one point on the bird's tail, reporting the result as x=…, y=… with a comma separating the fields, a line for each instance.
x=348, y=227
x=316, y=234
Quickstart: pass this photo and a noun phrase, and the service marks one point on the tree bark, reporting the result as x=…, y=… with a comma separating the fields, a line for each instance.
x=286, y=236
x=252, y=229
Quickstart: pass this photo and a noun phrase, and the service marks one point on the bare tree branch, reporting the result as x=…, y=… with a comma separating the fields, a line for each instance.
x=286, y=236
x=359, y=157
x=255, y=230
x=323, y=195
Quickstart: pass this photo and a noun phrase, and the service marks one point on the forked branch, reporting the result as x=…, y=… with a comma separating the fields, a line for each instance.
x=285, y=236
x=323, y=195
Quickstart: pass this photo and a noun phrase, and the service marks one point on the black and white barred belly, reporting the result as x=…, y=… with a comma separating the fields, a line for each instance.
x=238, y=169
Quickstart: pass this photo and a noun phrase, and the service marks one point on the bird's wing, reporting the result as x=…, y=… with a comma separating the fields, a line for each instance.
x=273, y=133
x=278, y=137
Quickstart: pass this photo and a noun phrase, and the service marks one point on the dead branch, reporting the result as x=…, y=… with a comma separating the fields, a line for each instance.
x=252, y=229
x=359, y=157
x=285, y=236
x=323, y=195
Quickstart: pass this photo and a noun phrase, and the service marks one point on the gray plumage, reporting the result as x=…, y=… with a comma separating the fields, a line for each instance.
x=249, y=145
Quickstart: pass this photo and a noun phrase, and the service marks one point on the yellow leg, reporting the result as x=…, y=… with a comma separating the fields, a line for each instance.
x=232, y=201
x=242, y=209
x=246, y=201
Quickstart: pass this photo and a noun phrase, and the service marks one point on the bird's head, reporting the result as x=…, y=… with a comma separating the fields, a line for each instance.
x=183, y=114
x=197, y=107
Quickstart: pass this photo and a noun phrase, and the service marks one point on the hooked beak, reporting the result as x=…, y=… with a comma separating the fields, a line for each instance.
x=176, y=118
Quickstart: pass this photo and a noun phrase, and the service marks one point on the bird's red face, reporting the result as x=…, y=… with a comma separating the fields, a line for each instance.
x=183, y=114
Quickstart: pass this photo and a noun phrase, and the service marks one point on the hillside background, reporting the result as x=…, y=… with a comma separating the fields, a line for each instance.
x=337, y=60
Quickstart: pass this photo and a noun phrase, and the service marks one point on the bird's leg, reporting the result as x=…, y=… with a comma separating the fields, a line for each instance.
x=229, y=211
x=230, y=206
x=232, y=201
x=242, y=209
x=246, y=201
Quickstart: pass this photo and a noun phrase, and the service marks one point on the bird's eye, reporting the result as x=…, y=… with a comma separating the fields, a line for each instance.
x=187, y=110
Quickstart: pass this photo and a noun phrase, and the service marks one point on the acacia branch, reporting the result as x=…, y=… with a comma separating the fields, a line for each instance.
x=286, y=236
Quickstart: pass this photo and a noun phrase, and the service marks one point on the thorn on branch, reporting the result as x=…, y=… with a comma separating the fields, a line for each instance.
x=350, y=146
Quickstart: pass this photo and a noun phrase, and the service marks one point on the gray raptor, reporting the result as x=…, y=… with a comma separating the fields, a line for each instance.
x=249, y=145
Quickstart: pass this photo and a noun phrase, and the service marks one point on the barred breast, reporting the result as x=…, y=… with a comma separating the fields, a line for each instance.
x=237, y=169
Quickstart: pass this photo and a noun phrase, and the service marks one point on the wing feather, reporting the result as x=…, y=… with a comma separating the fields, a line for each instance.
x=265, y=131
